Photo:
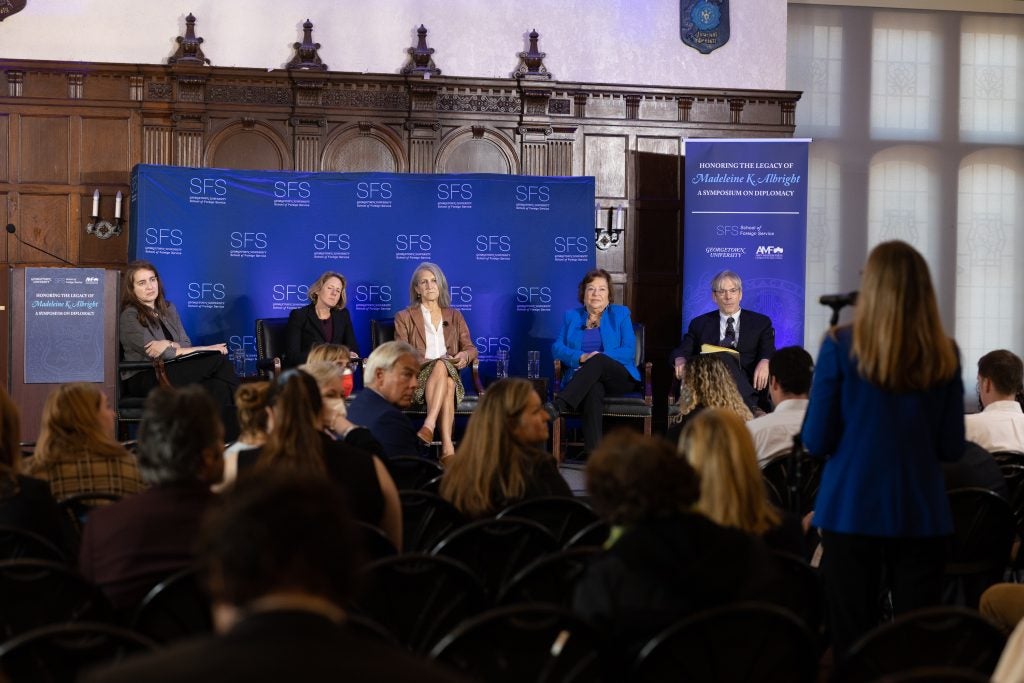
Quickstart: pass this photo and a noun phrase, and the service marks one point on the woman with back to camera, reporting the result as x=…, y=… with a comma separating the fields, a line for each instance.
x=441, y=338
x=886, y=407
x=149, y=328
x=324, y=320
x=251, y=402
x=500, y=459
x=706, y=383
x=598, y=346
x=75, y=451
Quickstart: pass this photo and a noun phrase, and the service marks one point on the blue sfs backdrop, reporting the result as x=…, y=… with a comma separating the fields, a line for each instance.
x=233, y=246
x=746, y=211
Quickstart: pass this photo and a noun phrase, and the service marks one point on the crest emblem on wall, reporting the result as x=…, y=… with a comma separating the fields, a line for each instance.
x=9, y=7
x=704, y=24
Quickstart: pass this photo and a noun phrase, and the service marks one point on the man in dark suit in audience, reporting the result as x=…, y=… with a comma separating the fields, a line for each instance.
x=280, y=561
x=130, y=546
x=750, y=334
x=389, y=380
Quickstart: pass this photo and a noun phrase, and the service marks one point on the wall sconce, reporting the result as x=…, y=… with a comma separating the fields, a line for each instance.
x=607, y=232
x=101, y=228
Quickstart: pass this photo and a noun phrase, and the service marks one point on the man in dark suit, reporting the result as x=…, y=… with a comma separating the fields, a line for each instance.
x=390, y=379
x=750, y=334
x=280, y=561
x=130, y=546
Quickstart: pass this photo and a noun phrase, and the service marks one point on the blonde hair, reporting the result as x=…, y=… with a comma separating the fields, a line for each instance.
x=732, y=493
x=313, y=293
x=898, y=340
x=490, y=465
x=70, y=426
x=707, y=383
x=335, y=353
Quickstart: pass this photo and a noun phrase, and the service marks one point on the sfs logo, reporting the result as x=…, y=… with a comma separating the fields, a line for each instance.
x=248, y=240
x=533, y=193
x=375, y=294
x=289, y=292
x=405, y=242
x=208, y=187
x=164, y=237
x=533, y=295
x=246, y=342
x=293, y=189
x=727, y=230
x=332, y=241
x=455, y=191
x=373, y=190
x=206, y=291
x=461, y=294
x=488, y=346
x=489, y=244
x=571, y=244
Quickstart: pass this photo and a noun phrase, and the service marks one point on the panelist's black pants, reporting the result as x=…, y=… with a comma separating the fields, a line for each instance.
x=600, y=376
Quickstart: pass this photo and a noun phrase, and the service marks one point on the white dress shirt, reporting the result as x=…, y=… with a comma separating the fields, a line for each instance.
x=773, y=433
x=1000, y=427
x=434, y=335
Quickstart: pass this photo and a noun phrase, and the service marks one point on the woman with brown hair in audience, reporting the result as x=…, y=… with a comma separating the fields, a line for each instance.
x=75, y=451
x=251, y=401
x=706, y=383
x=500, y=458
x=297, y=441
x=718, y=445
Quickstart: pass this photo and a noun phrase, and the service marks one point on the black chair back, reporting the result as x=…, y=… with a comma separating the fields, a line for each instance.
x=418, y=598
x=426, y=519
x=983, y=532
x=537, y=643
x=793, y=486
x=17, y=544
x=563, y=517
x=271, y=344
x=939, y=636
x=1008, y=457
x=59, y=652
x=177, y=607
x=741, y=642
x=496, y=549
x=35, y=593
x=376, y=544
x=594, y=534
x=411, y=473
x=381, y=331
x=550, y=579
x=802, y=591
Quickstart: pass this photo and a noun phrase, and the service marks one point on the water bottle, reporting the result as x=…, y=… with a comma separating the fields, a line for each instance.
x=238, y=360
x=533, y=365
x=501, y=365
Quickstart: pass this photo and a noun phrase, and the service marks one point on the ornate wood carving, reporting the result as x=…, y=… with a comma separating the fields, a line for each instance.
x=503, y=104
x=189, y=51
x=306, y=56
x=685, y=106
x=75, y=85
x=421, y=63
x=579, y=101
x=9, y=7
x=15, y=83
x=736, y=105
x=248, y=94
x=135, y=88
x=351, y=98
x=159, y=91
x=531, y=63
x=560, y=106
x=633, y=107
x=191, y=87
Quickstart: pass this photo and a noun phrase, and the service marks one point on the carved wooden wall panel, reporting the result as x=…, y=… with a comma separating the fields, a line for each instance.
x=51, y=85
x=105, y=150
x=6, y=244
x=44, y=152
x=45, y=221
x=5, y=157
x=364, y=147
x=605, y=159
x=477, y=150
x=248, y=146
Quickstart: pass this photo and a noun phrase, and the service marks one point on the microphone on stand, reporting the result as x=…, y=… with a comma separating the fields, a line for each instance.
x=837, y=302
x=11, y=230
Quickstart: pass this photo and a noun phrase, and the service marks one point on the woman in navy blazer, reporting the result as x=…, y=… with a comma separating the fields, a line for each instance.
x=324, y=321
x=598, y=346
x=886, y=407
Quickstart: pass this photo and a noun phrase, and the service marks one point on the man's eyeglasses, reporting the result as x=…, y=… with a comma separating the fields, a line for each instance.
x=734, y=290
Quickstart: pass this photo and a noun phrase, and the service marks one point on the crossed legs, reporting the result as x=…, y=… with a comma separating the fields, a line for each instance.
x=439, y=394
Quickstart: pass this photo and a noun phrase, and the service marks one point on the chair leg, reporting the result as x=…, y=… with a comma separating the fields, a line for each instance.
x=647, y=425
x=556, y=438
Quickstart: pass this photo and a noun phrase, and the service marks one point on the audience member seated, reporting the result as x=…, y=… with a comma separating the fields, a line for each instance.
x=389, y=381
x=598, y=346
x=707, y=383
x=789, y=381
x=324, y=319
x=149, y=327
x=280, y=563
x=25, y=502
x=76, y=451
x=335, y=353
x=298, y=442
x=500, y=458
x=130, y=546
x=251, y=401
x=1000, y=425
x=663, y=560
x=329, y=377
x=443, y=346
x=976, y=467
x=732, y=493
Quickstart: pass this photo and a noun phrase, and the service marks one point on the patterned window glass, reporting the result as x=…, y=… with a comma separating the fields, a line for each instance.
x=991, y=73
x=815, y=66
x=906, y=71
x=823, y=247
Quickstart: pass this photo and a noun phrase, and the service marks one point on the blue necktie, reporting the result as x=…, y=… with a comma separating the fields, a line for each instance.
x=730, y=333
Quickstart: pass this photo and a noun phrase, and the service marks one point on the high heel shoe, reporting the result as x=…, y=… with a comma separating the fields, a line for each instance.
x=426, y=435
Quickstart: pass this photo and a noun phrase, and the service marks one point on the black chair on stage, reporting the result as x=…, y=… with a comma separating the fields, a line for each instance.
x=271, y=344
x=983, y=533
x=496, y=549
x=741, y=642
x=537, y=643
x=637, y=406
x=426, y=519
x=412, y=473
x=594, y=534
x=35, y=593
x=177, y=607
x=418, y=598
x=17, y=544
x=129, y=408
x=952, y=637
x=563, y=517
x=59, y=652
x=550, y=579
x=376, y=544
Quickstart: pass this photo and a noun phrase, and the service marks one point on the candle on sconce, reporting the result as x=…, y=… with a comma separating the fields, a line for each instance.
x=117, y=205
x=96, y=203
x=620, y=219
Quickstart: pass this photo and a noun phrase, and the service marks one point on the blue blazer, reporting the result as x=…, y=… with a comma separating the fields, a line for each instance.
x=883, y=475
x=616, y=336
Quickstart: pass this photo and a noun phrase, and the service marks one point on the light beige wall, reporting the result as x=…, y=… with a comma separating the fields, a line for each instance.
x=610, y=41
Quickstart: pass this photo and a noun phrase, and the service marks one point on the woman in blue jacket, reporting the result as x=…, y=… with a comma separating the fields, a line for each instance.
x=886, y=407
x=598, y=346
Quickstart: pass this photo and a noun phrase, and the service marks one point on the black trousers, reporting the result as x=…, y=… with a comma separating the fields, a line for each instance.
x=857, y=569
x=600, y=376
x=212, y=371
